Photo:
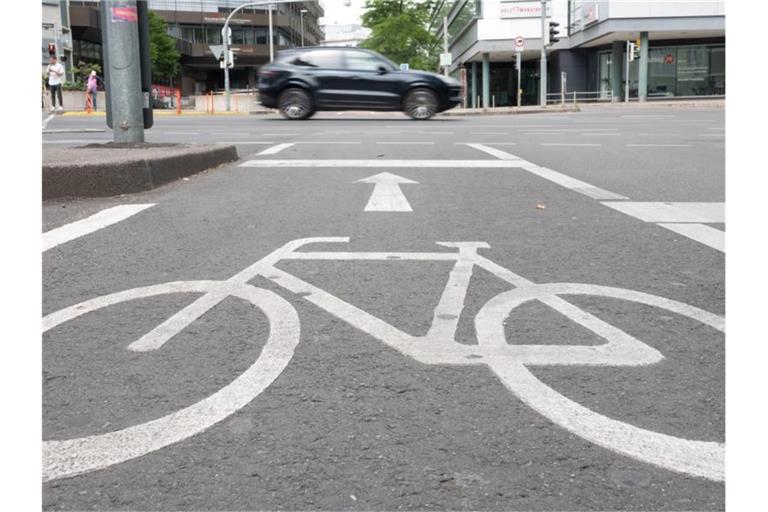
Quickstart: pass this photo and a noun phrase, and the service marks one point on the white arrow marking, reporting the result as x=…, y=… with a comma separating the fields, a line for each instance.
x=387, y=196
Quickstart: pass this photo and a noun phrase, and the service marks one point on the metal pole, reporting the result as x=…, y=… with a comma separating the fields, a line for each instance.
x=125, y=77
x=626, y=83
x=271, y=37
x=543, y=71
x=519, y=85
x=301, y=15
x=445, y=42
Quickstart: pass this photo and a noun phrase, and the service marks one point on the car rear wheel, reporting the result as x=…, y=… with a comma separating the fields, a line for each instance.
x=420, y=104
x=295, y=103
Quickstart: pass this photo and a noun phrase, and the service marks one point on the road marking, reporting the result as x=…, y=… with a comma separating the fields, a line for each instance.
x=243, y=142
x=649, y=116
x=386, y=195
x=658, y=145
x=327, y=142
x=489, y=133
x=398, y=143
x=707, y=213
x=706, y=235
x=75, y=456
x=450, y=164
x=687, y=219
x=75, y=130
x=76, y=141
x=487, y=143
x=548, y=174
x=47, y=120
x=187, y=133
x=568, y=144
x=276, y=149
x=435, y=133
x=603, y=134
x=90, y=224
x=278, y=134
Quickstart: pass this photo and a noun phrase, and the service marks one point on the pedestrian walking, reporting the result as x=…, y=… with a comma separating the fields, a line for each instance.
x=55, y=79
x=92, y=87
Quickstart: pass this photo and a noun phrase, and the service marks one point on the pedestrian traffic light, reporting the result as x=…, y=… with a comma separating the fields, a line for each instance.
x=52, y=49
x=553, y=32
x=636, y=50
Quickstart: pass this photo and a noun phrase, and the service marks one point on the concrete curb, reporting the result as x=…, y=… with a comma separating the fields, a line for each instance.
x=717, y=103
x=509, y=110
x=101, y=170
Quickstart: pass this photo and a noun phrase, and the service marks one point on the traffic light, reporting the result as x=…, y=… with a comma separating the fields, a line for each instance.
x=636, y=50
x=231, y=59
x=631, y=51
x=52, y=49
x=553, y=32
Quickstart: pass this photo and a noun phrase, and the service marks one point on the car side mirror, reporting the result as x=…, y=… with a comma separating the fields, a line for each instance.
x=382, y=70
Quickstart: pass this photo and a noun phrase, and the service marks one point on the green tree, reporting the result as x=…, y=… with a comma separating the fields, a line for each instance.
x=400, y=32
x=162, y=49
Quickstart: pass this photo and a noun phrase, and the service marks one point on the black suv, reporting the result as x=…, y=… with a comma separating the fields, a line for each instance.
x=302, y=81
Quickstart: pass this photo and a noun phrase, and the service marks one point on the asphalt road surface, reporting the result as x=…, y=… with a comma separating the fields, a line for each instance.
x=371, y=313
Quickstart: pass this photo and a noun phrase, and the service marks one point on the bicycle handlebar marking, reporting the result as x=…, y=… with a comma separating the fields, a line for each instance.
x=699, y=458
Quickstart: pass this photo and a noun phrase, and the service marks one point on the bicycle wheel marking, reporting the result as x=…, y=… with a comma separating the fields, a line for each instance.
x=698, y=458
x=75, y=456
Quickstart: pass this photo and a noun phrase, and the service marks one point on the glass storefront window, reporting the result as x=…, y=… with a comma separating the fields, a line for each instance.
x=605, y=74
x=662, y=72
x=692, y=71
x=717, y=70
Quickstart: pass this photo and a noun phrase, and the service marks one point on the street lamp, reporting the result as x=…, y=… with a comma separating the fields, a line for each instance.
x=301, y=15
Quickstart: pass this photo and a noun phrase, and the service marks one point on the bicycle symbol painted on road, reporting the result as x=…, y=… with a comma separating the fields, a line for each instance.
x=63, y=458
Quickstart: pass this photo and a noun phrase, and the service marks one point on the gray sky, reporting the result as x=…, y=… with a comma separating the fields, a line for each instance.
x=336, y=13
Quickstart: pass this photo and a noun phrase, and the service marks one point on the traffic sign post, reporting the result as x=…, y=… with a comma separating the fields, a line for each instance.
x=519, y=47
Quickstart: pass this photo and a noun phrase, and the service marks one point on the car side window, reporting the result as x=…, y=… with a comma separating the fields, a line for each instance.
x=323, y=59
x=363, y=61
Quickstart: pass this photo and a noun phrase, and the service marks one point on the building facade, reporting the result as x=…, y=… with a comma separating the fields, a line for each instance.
x=197, y=24
x=681, y=48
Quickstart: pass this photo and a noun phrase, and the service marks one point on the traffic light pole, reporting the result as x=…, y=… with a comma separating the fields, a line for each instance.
x=626, y=82
x=543, y=71
x=123, y=68
x=225, y=32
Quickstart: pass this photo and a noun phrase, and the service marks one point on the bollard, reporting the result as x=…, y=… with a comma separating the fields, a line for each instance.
x=178, y=102
x=88, y=102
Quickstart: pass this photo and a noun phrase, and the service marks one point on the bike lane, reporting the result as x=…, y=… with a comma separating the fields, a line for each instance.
x=351, y=423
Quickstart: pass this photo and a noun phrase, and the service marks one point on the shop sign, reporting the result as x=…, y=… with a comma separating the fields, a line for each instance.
x=526, y=9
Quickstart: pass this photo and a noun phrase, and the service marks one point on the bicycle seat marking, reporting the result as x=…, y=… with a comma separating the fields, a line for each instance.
x=706, y=459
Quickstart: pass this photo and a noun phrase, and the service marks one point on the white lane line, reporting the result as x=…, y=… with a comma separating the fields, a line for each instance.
x=186, y=133
x=548, y=174
x=433, y=133
x=489, y=143
x=706, y=235
x=449, y=164
x=658, y=145
x=386, y=195
x=569, y=144
x=501, y=155
x=276, y=149
x=489, y=133
x=47, y=120
x=243, y=142
x=405, y=143
x=327, y=142
x=90, y=224
x=707, y=213
x=602, y=134
x=278, y=134
x=649, y=116
x=75, y=141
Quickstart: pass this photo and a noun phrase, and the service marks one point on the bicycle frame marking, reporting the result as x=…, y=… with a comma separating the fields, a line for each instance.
x=698, y=458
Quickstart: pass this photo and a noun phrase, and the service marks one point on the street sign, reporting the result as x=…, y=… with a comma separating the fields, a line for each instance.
x=519, y=44
x=405, y=66
x=446, y=59
x=217, y=50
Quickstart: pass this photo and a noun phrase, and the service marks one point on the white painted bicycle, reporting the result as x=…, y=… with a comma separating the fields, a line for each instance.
x=63, y=458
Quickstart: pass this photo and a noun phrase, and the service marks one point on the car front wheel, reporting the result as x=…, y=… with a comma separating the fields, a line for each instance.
x=295, y=103
x=420, y=104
